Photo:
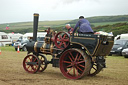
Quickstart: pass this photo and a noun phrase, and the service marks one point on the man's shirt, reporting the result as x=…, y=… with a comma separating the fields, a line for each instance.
x=84, y=26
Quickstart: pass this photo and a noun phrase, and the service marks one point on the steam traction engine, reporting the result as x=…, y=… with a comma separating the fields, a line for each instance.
x=76, y=55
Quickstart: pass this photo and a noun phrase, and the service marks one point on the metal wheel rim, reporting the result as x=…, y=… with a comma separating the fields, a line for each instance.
x=62, y=42
x=95, y=69
x=73, y=68
x=43, y=61
x=31, y=68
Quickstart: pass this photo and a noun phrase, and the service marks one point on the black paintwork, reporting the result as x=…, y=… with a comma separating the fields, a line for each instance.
x=97, y=45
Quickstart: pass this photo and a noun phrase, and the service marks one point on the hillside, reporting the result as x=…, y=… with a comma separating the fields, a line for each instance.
x=117, y=28
x=25, y=25
x=103, y=19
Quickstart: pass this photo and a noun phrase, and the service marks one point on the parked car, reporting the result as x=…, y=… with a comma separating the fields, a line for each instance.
x=22, y=41
x=118, y=46
x=125, y=52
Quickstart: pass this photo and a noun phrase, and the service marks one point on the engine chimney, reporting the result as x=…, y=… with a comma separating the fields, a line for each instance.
x=35, y=26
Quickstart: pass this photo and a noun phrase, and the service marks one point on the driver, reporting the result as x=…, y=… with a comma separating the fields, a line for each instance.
x=84, y=26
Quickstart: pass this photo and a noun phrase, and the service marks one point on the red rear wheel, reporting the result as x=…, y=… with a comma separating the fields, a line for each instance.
x=62, y=40
x=74, y=63
x=31, y=63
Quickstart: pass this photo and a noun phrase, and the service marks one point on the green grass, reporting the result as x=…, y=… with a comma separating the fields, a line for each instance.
x=7, y=48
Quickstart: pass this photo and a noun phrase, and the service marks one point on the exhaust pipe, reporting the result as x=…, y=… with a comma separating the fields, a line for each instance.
x=35, y=26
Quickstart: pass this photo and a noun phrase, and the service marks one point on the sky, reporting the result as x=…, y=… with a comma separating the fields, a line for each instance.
x=23, y=10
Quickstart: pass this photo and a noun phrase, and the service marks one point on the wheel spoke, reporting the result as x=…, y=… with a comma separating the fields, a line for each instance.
x=31, y=69
x=58, y=39
x=67, y=62
x=71, y=55
x=64, y=44
x=34, y=60
x=94, y=68
x=41, y=67
x=74, y=71
x=76, y=57
x=28, y=67
x=69, y=70
x=70, y=58
x=64, y=36
x=94, y=64
x=81, y=62
x=81, y=65
x=77, y=72
x=79, y=68
x=69, y=66
x=30, y=59
x=79, y=57
x=65, y=39
x=36, y=66
x=60, y=44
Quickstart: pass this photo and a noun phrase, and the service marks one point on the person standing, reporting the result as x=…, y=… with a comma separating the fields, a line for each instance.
x=70, y=29
x=84, y=26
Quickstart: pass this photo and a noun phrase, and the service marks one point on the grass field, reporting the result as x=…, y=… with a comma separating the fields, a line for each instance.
x=12, y=72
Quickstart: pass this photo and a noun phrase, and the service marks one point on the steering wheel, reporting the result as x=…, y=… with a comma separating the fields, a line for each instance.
x=62, y=40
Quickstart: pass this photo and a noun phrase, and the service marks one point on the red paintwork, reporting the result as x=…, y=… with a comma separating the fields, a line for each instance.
x=62, y=40
x=72, y=66
x=31, y=68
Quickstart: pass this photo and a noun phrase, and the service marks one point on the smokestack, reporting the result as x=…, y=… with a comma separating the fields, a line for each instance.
x=35, y=26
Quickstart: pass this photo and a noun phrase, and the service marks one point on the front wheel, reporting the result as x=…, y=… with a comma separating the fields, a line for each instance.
x=43, y=61
x=74, y=63
x=31, y=63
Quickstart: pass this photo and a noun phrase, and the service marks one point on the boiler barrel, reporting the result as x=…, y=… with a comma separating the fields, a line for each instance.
x=30, y=46
x=33, y=46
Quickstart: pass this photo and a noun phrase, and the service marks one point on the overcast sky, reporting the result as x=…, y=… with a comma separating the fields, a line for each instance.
x=23, y=10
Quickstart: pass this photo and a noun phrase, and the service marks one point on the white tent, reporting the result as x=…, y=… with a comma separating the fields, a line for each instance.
x=15, y=36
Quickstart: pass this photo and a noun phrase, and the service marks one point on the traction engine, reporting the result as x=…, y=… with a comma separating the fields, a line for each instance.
x=76, y=55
